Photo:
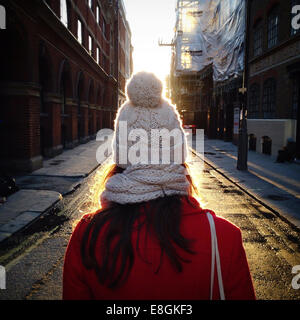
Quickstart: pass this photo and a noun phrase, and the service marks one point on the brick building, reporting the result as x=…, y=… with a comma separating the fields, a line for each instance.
x=60, y=80
x=274, y=76
x=125, y=52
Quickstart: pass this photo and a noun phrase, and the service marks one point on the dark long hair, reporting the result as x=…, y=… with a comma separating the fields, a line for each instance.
x=161, y=217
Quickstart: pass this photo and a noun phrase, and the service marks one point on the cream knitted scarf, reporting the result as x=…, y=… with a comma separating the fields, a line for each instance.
x=141, y=183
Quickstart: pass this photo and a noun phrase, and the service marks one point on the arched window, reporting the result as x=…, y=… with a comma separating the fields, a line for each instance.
x=63, y=95
x=269, y=99
x=45, y=76
x=64, y=17
x=80, y=93
x=254, y=102
x=79, y=96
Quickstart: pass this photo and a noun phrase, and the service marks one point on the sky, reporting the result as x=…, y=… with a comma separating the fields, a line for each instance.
x=151, y=20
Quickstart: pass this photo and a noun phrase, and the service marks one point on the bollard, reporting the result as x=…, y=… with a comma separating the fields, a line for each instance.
x=2, y=18
x=2, y=278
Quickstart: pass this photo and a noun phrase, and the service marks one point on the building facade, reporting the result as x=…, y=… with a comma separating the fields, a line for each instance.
x=274, y=76
x=207, y=63
x=225, y=109
x=59, y=80
x=125, y=53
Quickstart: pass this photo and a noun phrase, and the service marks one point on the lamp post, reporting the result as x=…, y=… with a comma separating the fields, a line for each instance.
x=243, y=132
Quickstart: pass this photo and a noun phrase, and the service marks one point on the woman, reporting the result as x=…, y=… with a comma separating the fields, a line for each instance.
x=151, y=239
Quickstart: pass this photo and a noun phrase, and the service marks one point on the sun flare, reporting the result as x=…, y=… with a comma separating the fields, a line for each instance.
x=150, y=21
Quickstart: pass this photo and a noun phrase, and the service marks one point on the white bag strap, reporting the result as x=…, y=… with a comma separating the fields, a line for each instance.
x=215, y=256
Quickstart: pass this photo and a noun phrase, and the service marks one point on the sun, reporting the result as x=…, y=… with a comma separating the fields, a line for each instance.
x=157, y=61
x=150, y=21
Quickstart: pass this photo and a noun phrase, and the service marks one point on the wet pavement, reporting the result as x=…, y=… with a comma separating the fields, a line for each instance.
x=63, y=185
x=272, y=245
x=34, y=260
x=277, y=185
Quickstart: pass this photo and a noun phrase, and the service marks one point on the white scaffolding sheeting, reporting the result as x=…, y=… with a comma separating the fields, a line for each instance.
x=210, y=31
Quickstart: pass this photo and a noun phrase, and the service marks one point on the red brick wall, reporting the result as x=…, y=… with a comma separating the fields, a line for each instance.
x=41, y=34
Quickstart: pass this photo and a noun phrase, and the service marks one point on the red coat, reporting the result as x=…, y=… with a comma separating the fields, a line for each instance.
x=192, y=284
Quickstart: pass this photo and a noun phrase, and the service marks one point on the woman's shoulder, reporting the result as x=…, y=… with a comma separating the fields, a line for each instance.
x=195, y=214
x=81, y=224
x=227, y=228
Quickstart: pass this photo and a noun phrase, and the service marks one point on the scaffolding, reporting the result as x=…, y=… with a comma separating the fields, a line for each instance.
x=208, y=47
x=210, y=31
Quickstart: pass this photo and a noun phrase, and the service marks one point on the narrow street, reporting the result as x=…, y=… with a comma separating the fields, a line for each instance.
x=34, y=267
x=74, y=72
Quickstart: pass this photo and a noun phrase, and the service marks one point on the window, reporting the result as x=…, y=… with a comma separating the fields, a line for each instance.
x=98, y=14
x=186, y=59
x=79, y=31
x=258, y=40
x=90, y=44
x=104, y=27
x=64, y=12
x=254, y=101
x=273, y=22
x=90, y=3
x=98, y=55
x=269, y=99
x=296, y=94
x=294, y=3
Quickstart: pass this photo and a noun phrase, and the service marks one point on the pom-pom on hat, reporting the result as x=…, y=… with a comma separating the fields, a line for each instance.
x=145, y=90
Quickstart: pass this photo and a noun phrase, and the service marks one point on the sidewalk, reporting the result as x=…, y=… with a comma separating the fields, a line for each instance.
x=277, y=185
x=44, y=188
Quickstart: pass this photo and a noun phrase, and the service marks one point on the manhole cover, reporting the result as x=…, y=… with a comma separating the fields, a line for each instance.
x=56, y=162
x=210, y=153
x=277, y=198
x=233, y=191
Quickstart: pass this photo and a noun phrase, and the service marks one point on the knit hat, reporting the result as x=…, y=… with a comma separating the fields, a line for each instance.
x=143, y=147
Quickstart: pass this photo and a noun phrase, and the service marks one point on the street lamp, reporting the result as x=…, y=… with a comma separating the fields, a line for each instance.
x=243, y=132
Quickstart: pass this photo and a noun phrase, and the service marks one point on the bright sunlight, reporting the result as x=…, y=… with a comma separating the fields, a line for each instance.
x=150, y=21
